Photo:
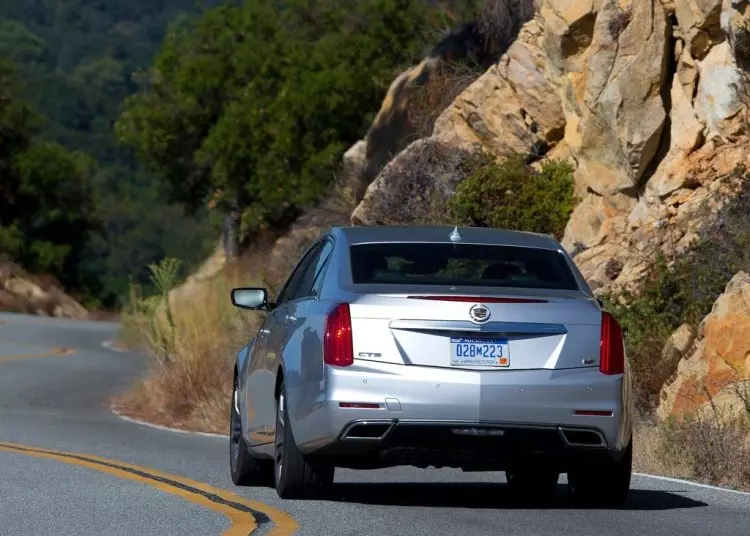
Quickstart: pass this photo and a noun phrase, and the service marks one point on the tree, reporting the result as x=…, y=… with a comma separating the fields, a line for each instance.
x=46, y=194
x=252, y=107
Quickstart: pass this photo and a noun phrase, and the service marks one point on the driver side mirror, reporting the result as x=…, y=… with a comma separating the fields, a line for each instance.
x=254, y=299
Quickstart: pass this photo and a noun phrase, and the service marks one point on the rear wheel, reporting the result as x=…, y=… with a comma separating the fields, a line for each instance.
x=244, y=469
x=296, y=476
x=531, y=481
x=605, y=485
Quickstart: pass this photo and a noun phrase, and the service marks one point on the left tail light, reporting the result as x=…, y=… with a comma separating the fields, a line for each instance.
x=338, y=348
x=612, y=353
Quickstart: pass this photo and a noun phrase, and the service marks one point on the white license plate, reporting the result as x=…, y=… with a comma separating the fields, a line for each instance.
x=467, y=351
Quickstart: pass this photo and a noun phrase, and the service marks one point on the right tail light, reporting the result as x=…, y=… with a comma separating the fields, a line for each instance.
x=612, y=352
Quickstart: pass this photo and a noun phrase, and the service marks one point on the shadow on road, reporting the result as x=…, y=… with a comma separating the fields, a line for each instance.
x=484, y=496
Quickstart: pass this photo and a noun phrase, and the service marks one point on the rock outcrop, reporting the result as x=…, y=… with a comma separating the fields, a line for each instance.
x=645, y=98
x=24, y=293
x=715, y=376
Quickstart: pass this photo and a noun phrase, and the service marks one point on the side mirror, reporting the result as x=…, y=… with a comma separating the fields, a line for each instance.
x=250, y=298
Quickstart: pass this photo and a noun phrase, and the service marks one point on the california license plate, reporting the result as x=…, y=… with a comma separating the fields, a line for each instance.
x=482, y=352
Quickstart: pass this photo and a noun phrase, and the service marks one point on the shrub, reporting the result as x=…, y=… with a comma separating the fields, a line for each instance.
x=501, y=20
x=512, y=195
x=710, y=450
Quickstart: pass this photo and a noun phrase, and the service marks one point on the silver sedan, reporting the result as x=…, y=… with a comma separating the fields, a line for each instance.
x=479, y=349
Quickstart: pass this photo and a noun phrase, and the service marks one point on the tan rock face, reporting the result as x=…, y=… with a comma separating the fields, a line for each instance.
x=511, y=108
x=675, y=348
x=718, y=369
x=20, y=292
x=706, y=139
x=668, y=224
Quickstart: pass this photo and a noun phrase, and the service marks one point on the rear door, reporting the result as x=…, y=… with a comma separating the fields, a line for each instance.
x=472, y=306
x=296, y=330
x=265, y=361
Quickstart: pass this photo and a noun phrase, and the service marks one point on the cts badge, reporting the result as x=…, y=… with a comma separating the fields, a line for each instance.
x=479, y=314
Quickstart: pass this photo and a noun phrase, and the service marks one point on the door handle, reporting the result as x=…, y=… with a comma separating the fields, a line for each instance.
x=289, y=319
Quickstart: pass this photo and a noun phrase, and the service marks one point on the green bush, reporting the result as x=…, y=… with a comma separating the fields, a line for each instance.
x=513, y=195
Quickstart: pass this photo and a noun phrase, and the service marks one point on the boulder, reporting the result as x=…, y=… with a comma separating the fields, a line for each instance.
x=413, y=187
x=715, y=378
x=511, y=108
x=23, y=293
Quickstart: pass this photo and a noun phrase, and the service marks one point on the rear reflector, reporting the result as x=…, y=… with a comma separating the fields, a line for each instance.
x=593, y=413
x=612, y=349
x=477, y=299
x=338, y=349
x=359, y=405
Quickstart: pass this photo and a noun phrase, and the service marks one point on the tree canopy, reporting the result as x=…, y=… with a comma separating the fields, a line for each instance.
x=253, y=105
x=46, y=191
x=76, y=59
x=221, y=106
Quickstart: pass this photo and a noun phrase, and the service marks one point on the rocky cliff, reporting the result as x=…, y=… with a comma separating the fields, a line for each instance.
x=645, y=98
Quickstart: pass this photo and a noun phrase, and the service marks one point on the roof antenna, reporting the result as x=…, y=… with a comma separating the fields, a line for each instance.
x=455, y=235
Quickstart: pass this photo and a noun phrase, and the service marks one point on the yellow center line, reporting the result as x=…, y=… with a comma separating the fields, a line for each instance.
x=245, y=515
x=48, y=353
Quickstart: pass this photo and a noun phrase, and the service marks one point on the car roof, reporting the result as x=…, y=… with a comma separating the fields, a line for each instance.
x=442, y=234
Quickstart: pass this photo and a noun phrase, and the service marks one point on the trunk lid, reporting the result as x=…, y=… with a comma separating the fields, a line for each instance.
x=510, y=331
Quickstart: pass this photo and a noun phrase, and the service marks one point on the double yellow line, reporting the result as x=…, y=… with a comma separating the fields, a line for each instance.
x=245, y=515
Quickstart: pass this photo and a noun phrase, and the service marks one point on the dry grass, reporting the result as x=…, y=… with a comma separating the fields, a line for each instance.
x=712, y=446
x=193, y=343
x=701, y=450
x=425, y=102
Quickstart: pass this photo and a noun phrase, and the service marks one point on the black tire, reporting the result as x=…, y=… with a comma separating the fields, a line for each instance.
x=605, y=485
x=244, y=469
x=532, y=481
x=296, y=476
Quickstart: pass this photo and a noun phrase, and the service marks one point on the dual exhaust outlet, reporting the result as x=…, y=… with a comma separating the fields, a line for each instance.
x=379, y=430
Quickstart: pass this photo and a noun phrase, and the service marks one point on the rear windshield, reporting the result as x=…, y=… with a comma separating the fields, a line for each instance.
x=460, y=264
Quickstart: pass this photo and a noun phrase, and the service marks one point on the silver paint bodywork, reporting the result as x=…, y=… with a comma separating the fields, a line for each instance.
x=401, y=359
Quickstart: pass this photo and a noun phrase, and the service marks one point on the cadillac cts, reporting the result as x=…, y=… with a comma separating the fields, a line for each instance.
x=479, y=349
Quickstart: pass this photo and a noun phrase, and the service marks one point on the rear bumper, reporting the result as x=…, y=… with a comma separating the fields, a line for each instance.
x=454, y=416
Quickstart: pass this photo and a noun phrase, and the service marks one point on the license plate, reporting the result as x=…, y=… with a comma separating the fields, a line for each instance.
x=480, y=352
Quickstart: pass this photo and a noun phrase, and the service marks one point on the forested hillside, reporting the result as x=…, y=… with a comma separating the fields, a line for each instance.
x=69, y=64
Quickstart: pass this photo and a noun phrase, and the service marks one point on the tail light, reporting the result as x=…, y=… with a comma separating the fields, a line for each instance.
x=612, y=353
x=338, y=349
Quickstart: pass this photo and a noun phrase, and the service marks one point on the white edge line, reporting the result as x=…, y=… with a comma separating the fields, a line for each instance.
x=691, y=483
x=165, y=428
x=111, y=345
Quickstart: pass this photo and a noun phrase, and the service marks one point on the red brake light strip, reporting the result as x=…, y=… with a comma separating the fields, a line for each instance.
x=478, y=299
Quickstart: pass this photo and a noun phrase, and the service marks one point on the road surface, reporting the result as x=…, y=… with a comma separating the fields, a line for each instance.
x=69, y=466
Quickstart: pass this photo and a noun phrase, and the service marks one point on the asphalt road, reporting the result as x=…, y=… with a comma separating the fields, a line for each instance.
x=69, y=466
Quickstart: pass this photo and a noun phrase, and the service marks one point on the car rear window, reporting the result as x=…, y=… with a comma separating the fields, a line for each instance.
x=418, y=263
